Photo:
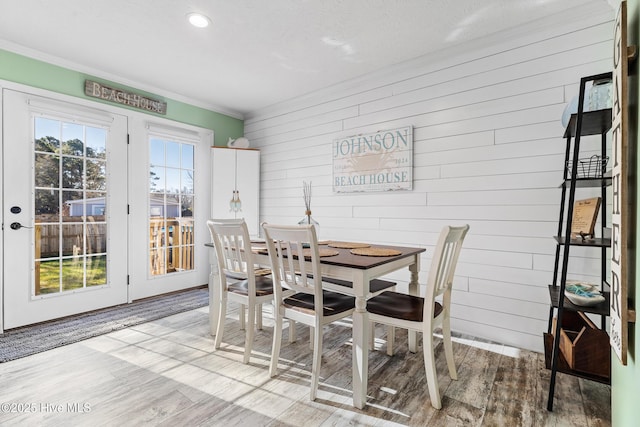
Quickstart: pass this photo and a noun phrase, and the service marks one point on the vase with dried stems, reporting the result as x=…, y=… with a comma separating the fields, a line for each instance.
x=308, y=219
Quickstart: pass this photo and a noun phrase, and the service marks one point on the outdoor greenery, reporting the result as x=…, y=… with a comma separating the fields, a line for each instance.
x=72, y=275
x=49, y=155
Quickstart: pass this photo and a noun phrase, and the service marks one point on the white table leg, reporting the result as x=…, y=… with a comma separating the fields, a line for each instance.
x=360, y=347
x=414, y=289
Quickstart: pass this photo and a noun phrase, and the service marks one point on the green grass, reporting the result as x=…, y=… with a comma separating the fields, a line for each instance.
x=72, y=274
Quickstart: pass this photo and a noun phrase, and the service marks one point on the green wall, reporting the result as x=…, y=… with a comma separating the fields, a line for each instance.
x=625, y=381
x=32, y=72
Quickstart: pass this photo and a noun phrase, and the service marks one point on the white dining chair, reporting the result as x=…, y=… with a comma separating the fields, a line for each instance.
x=425, y=314
x=298, y=292
x=239, y=278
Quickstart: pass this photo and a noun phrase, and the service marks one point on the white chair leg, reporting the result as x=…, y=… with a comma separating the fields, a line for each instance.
x=448, y=348
x=311, y=337
x=250, y=329
x=275, y=348
x=292, y=331
x=413, y=341
x=259, y=316
x=372, y=336
x=242, y=316
x=317, y=357
x=222, y=314
x=214, y=307
x=430, y=368
x=391, y=337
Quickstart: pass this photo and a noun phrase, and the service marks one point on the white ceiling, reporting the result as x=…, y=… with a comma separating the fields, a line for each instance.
x=256, y=52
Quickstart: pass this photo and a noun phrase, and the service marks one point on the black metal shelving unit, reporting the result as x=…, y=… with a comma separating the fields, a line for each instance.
x=581, y=124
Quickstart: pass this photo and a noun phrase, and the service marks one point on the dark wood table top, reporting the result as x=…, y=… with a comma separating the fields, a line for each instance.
x=346, y=259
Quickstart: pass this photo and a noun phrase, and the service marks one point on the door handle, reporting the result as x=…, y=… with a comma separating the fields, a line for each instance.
x=17, y=226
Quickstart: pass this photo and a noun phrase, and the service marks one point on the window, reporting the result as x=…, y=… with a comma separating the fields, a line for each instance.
x=69, y=180
x=171, y=198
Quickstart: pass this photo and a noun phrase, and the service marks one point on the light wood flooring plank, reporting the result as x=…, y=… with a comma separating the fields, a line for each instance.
x=513, y=401
x=597, y=403
x=167, y=373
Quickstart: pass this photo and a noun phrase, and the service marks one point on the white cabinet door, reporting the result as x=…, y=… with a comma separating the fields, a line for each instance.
x=236, y=170
x=248, y=187
x=223, y=173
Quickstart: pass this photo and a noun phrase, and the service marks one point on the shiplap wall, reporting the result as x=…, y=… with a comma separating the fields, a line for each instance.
x=488, y=151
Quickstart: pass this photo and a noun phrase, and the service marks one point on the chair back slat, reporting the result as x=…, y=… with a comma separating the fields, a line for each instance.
x=233, y=248
x=295, y=260
x=443, y=265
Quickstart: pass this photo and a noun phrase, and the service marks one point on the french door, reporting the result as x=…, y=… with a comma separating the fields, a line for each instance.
x=169, y=191
x=65, y=209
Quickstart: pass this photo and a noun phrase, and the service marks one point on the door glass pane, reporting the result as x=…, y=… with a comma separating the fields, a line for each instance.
x=96, y=143
x=72, y=172
x=73, y=206
x=72, y=240
x=69, y=206
x=171, y=201
x=72, y=273
x=173, y=181
x=187, y=156
x=172, y=150
x=47, y=205
x=156, y=179
x=96, y=173
x=96, y=270
x=47, y=170
x=187, y=206
x=187, y=182
x=47, y=274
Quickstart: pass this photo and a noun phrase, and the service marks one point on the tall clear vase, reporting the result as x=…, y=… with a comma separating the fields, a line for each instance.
x=308, y=219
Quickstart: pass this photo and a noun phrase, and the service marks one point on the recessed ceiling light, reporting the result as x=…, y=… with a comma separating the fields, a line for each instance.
x=198, y=20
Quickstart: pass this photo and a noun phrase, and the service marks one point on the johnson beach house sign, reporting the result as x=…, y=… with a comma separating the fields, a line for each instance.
x=379, y=161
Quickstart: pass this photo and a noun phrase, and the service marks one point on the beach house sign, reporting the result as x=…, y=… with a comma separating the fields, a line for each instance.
x=123, y=97
x=379, y=161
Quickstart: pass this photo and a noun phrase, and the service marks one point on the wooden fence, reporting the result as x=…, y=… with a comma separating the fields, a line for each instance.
x=171, y=243
x=171, y=246
x=50, y=239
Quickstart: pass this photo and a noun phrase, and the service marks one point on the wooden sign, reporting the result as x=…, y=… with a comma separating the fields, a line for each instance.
x=585, y=213
x=620, y=226
x=379, y=161
x=119, y=96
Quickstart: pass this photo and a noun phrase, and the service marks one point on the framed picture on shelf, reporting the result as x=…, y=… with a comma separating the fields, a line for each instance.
x=585, y=213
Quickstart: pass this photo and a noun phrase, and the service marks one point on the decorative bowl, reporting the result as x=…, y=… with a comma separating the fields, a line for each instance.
x=580, y=293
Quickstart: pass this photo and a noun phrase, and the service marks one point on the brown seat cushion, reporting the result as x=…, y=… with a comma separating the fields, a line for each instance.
x=264, y=286
x=376, y=285
x=400, y=306
x=334, y=303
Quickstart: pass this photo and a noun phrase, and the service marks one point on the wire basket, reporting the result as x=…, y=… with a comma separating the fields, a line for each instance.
x=592, y=167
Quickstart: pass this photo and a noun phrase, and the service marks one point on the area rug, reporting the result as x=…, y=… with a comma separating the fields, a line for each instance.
x=28, y=340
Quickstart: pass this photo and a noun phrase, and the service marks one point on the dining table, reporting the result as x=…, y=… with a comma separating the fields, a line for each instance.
x=348, y=263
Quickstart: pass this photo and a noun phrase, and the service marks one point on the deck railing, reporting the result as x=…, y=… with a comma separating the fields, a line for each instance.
x=171, y=246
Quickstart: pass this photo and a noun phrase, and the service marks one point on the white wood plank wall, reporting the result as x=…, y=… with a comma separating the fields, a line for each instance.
x=488, y=151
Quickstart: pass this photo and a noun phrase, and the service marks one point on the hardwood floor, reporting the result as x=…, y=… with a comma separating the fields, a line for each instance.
x=166, y=373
